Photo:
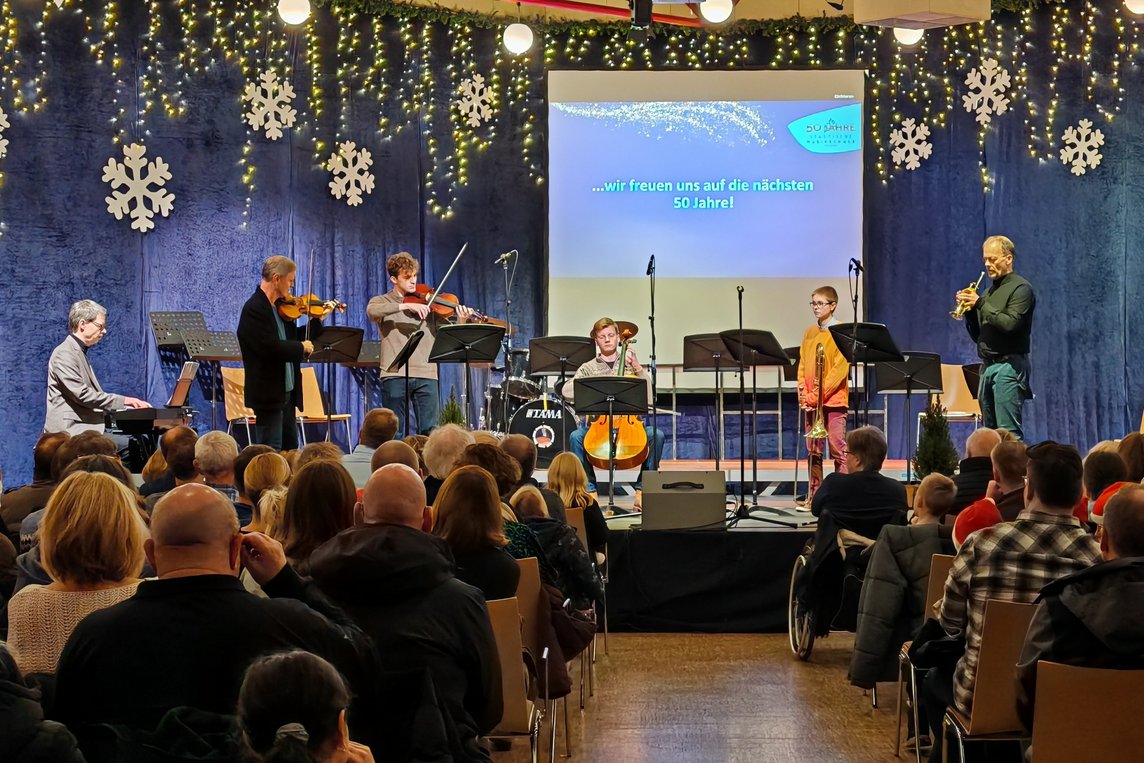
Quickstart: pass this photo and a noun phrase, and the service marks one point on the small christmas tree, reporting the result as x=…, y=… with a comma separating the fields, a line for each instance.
x=451, y=413
x=935, y=447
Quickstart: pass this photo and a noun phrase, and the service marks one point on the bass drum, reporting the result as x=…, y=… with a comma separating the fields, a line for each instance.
x=544, y=422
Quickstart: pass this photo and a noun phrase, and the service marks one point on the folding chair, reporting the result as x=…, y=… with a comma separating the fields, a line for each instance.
x=233, y=391
x=532, y=608
x=521, y=715
x=1111, y=717
x=575, y=518
x=314, y=411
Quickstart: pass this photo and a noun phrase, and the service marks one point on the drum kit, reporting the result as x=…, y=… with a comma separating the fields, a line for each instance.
x=522, y=403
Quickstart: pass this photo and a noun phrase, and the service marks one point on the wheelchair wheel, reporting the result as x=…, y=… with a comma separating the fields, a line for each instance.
x=799, y=627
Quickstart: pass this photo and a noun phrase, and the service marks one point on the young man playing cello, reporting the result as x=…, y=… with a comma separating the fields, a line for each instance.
x=832, y=389
x=606, y=335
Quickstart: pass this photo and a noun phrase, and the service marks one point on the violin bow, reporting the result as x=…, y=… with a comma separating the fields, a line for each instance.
x=310, y=290
x=441, y=284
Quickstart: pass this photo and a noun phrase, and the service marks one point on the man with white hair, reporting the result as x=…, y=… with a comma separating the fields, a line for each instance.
x=75, y=399
x=444, y=446
x=215, y=453
x=396, y=580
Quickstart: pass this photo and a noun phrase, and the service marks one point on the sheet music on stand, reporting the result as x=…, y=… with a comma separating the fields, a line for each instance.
x=212, y=347
x=168, y=326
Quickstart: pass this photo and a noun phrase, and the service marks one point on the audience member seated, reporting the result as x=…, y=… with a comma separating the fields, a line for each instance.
x=1006, y=435
x=976, y=517
x=319, y=505
x=1102, y=469
x=215, y=454
x=578, y=579
x=242, y=505
x=379, y=426
x=1010, y=561
x=417, y=442
x=523, y=451
x=155, y=468
x=396, y=580
x=485, y=437
x=467, y=514
x=1007, y=490
x=292, y=707
x=25, y=737
x=315, y=451
x=186, y=638
x=395, y=452
x=19, y=502
x=167, y=441
x=83, y=444
x=1131, y=450
x=1086, y=618
x=504, y=468
x=567, y=479
x=180, y=465
x=1105, y=446
x=442, y=449
x=266, y=479
x=892, y=605
x=976, y=469
x=863, y=488
x=91, y=544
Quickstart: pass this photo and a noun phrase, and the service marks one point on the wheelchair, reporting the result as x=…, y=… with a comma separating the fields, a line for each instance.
x=826, y=580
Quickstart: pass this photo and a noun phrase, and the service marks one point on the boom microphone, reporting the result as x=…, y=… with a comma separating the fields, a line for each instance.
x=504, y=257
x=855, y=265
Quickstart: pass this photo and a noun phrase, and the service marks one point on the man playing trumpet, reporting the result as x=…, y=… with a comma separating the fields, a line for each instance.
x=1001, y=323
x=829, y=390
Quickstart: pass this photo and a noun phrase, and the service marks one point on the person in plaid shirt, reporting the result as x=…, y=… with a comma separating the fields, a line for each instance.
x=1011, y=561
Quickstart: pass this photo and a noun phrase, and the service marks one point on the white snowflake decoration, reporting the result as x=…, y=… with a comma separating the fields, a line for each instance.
x=270, y=104
x=987, y=91
x=1081, y=144
x=476, y=101
x=910, y=144
x=3, y=141
x=136, y=176
x=350, y=166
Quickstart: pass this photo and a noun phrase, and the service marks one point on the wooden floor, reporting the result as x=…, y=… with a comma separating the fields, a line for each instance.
x=698, y=697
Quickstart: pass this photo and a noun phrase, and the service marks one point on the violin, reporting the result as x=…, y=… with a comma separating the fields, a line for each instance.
x=292, y=307
x=446, y=304
x=630, y=437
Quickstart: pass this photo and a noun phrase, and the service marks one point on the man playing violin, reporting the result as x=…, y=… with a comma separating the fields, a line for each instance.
x=272, y=351
x=396, y=320
x=606, y=335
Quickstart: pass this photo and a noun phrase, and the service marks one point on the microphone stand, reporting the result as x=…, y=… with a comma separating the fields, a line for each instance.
x=857, y=271
x=742, y=512
x=651, y=324
x=506, y=342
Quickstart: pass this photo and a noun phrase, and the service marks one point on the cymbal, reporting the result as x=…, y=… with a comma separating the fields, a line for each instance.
x=626, y=326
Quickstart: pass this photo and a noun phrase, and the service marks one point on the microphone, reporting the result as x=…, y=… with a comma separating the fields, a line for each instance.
x=739, y=289
x=504, y=257
x=855, y=265
x=650, y=266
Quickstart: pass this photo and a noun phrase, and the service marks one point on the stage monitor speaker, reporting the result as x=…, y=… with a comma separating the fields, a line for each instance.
x=683, y=500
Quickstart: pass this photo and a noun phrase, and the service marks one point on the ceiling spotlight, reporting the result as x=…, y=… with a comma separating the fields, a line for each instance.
x=517, y=37
x=908, y=36
x=294, y=11
x=716, y=11
x=1135, y=7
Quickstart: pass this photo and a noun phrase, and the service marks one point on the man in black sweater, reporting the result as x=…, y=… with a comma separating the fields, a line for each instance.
x=187, y=638
x=1001, y=324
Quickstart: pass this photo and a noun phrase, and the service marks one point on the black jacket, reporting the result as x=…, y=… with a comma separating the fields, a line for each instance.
x=490, y=569
x=1093, y=618
x=398, y=584
x=892, y=605
x=264, y=355
x=25, y=737
x=847, y=495
x=1001, y=323
x=972, y=479
x=567, y=555
x=188, y=641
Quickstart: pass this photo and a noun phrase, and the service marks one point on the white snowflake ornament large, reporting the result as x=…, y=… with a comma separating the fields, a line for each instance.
x=910, y=144
x=270, y=106
x=352, y=177
x=1081, y=144
x=987, y=91
x=476, y=101
x=3, y=141
x=138, y=198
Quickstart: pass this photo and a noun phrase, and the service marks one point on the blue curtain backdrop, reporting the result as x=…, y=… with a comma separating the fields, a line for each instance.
x=170, y=74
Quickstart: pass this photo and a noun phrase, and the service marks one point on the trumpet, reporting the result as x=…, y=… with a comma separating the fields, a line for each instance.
x=818, y=426
x=958, y=311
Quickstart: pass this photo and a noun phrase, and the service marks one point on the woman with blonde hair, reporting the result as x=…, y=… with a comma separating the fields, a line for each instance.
x=468, y=518
x=567, y=479
x=266, y=479
x=91, y=544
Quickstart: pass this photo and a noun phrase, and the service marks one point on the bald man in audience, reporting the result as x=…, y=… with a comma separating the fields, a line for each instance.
x=976, y=469
x=397, y=581
x=395, y=452
x=186, y=638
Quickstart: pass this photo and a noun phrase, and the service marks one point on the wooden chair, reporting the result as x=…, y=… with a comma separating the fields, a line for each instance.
x=1108, y=718
x=575, y=518
x=315, y=410
x=532, y=607
x=233, y=390
x=956, y=397
x=521, y=716
x=940, y=564
x=994, y=712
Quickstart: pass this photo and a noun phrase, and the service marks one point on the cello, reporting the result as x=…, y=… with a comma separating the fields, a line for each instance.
x=630, y=438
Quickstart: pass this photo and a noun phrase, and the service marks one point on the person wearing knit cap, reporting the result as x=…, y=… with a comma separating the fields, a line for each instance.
x=977, y=516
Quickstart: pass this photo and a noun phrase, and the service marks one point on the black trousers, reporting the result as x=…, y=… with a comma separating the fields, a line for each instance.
x=277, y=427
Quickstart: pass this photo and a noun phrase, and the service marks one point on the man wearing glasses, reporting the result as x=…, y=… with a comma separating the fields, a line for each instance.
x=831, y=389
x=76, y=402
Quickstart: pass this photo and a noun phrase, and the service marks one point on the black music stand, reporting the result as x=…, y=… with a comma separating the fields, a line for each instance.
x=212, y=347
x=865, y=343
x=972, y=374
x=366, y=366
x=401, y=363
x=611, y=395
x=555, y=355
x=918, y=372
x=754, y=348
x=168, y=326
x=707, y=352
x=467, y=343
x=333, y=345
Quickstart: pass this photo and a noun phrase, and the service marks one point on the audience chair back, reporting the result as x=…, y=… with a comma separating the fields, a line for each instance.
x=1110, y=716
x=575, y=519
x=315, y=410
x=505, y=618
x=529, y=602
x=1003, y=631
x=956, y=398
x=233, y=390
x=940, y=565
